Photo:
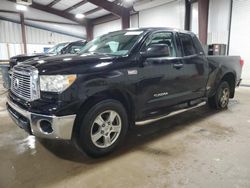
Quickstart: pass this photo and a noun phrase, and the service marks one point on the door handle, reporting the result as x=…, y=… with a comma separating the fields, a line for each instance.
x=178, y=65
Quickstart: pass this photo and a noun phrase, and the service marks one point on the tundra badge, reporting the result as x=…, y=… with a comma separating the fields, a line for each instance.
x=160, y=94
x=132, y=72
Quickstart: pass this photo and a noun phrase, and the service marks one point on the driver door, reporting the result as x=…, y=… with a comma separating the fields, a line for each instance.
x=162, y=82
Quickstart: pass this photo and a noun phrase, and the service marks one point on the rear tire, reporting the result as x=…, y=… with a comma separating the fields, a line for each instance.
x=103, y=128
x=221, y=98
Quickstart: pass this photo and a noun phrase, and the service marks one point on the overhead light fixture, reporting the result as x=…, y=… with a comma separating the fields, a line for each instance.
x=79, y=16
x=21, y=7
x=128, y=1
x=24, y=2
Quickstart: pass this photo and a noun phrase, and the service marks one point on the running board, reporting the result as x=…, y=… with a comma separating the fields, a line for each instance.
x=139, y=123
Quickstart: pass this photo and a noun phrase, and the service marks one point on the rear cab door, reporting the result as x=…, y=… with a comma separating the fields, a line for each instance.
x=195, y=66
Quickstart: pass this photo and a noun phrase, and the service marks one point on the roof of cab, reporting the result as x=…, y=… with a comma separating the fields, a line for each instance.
x=159, y=28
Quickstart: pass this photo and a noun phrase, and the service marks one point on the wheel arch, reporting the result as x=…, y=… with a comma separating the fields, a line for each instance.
x=116, y=94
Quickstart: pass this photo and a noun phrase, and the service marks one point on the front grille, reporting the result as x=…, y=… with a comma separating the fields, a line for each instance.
x=24, y=82
x=21, y=85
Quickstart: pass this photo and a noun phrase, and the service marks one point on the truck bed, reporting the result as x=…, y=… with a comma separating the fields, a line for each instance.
x=230, y=62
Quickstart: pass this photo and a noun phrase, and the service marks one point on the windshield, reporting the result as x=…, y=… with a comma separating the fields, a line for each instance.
x=56, y=49
x=115, y=43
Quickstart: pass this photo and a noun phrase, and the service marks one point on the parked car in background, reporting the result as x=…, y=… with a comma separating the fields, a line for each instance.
x=73, y=47
x=61, y=48
x=117, y=81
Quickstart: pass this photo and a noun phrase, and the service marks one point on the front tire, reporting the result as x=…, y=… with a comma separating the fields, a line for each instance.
x=103, y=128
x=221, y=98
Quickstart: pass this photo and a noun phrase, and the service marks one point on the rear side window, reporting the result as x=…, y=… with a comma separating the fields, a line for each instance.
x=187, y=44
x=197, y=45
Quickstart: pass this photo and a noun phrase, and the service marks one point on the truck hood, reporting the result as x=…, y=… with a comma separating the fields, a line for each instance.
x=72, y=64
x=23, y=57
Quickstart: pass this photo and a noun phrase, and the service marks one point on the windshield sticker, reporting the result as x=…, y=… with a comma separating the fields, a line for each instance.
x=113, y=45
x=133, y=33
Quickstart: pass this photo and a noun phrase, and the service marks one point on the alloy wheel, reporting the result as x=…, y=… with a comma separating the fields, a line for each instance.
x=224, y=97
x=106, y=129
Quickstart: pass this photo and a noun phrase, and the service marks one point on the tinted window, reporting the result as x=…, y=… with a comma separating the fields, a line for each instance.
x=187, y=44
x=197, y=45
x=162, y=38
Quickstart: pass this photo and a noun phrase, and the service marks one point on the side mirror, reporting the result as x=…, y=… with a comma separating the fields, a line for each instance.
x=75, y=50
x=157, y=50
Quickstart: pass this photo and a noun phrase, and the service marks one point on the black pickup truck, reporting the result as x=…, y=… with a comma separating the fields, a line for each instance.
x=119, y=80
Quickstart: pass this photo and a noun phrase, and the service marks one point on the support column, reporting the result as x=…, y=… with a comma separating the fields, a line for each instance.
x=187, y=14
x=203, y=8
x=89, y=31
x=23, y=32
x=125, y=20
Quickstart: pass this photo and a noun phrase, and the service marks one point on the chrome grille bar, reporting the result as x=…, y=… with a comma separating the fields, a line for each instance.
x=25, y=82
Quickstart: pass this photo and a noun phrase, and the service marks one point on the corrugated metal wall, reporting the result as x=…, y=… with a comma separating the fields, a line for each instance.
x=240, y=40
x=114, y=25
x=171, y=14
x=11, y=39
x=194, y=18
x=3, y=51
x=10, y=32
x=218, y=21
x=39, y=36
x=103, y=28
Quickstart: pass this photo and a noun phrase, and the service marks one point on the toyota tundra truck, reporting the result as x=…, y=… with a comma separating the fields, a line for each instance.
x=119, y=80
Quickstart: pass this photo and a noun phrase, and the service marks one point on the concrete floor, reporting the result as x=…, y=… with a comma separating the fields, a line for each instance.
x=199, y=148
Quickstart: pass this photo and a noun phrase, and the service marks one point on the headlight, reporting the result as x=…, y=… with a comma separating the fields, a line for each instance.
x=57, y=83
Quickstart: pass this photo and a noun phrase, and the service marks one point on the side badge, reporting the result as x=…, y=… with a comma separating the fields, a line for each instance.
x=160, y=94
x=132, y=72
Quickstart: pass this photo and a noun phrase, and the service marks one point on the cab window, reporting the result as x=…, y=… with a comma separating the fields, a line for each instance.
x=161, y=38
x=187, y=44
x=198, y=45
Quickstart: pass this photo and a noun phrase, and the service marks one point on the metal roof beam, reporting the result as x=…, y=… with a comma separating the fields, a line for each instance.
x=98, y=9
x=52, y=22
x=86, y=22
x=9, y=11
x=58, y=13
x=115, y=9
x=92, y=11
x=75, y=6
x=53, y=3
x=110, y=6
